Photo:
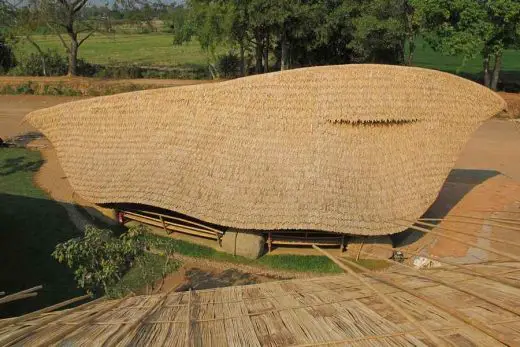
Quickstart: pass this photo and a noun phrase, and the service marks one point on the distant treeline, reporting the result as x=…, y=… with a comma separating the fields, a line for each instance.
x=279, y=34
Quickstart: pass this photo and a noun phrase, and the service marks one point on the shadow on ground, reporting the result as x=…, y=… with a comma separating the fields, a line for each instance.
x=199, y=279
x=31, y=228
x=458, y=184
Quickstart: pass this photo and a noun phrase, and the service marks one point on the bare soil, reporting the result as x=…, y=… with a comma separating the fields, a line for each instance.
x=489, y=170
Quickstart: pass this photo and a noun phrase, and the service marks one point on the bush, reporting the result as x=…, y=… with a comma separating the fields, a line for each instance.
x=126, y=71
x=228, y=65
x=56, y=65
x=99, y=259
x=7, y=59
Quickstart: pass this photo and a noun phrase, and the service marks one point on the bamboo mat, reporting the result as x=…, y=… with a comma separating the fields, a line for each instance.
x=335, y=310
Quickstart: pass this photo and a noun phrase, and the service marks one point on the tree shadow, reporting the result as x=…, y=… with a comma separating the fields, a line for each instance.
x=23, y=139
x=458, y=184
x=31, y=228
x=199, y=279
x=509, y=80
x=19, y=164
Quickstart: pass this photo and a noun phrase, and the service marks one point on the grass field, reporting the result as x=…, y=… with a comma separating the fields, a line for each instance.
x=155, y=49
x=31, y=225
x=286, y=262
x=426, y=57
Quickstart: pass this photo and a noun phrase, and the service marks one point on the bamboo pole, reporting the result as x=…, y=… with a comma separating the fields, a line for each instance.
x=25, y=332
x=508, y=271
x=437, y=340
x=494, y=239
x=346, y=342
x=188, y=320
x=182, y=220
x=446, y=309
x=456, y=287
x=472, y=244
x=135, y=324
x=20, y=297
x=466, y=270
x=43, y=310
x=174, y=228
x=82, y=323
x=484, y=222
x=12, y=297
x=135, y=216
x=164, y=225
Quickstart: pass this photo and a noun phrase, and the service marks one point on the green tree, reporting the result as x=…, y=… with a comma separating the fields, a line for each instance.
x=98, y=258
x=471, y=28
x=379, y=33
x=210, y=21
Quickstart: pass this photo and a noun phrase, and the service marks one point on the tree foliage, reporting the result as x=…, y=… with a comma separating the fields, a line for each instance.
x=99, y=258
x=287, y=33
x=472, y=28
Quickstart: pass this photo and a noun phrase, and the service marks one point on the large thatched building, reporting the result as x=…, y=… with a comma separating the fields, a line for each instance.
x=346, y=149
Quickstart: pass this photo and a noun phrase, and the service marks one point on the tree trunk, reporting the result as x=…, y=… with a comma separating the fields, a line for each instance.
x=411, y=50
x=73, y=56
x=496, y=71
x=283, y=62
x=266, y=53
x=487, y=77
x=242, y=59
x=258, y=52
x=40, y=52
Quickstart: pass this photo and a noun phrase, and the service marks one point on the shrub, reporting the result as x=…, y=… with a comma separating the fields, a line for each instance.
x=31, y=65
x=228, y=65
x=99, y=259
x=7, y=59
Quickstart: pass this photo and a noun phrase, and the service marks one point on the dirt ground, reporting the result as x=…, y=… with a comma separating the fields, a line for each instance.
x=486, y=175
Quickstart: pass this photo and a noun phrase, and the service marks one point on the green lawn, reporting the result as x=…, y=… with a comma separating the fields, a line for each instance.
x=31, y=225
x=286, y=262
x=144, y=49
x=426, y=57
x=158, y=49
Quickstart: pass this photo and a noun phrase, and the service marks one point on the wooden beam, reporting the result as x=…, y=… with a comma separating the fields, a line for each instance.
x=180, y=220
x=494, y=239
x=483, y=222
x=43, y=310
x=188, y=320
x=458, y=266
x=27, y=331
x=410, y=225
x=435, y=339
x=451, y=285
x=446, y=309
x=20, y=297
x=12, y=297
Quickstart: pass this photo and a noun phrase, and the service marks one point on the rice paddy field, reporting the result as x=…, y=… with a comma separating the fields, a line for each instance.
x=157, y=49
x=154, y=49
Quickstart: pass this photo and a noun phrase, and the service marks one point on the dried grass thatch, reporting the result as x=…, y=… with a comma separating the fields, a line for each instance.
x=340, y=148
x=335, y=310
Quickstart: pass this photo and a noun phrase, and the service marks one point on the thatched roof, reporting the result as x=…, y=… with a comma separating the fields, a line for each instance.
x=339, y=148
x=334, y=310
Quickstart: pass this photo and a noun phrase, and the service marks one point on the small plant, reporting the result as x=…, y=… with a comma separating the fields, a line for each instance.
x=228, y=65
x=99, y=259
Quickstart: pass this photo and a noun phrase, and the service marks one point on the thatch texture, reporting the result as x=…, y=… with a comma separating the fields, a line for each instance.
x=334, y=310
x=339, y=148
